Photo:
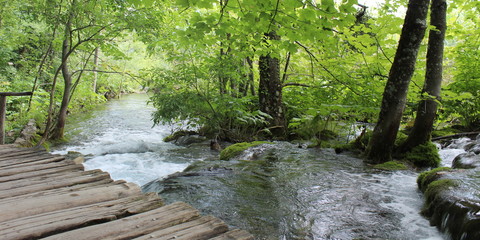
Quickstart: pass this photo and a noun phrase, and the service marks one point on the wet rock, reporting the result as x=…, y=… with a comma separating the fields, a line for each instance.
x=466, y=161
x=473, y=147
x=189, y=140
x=452, y=201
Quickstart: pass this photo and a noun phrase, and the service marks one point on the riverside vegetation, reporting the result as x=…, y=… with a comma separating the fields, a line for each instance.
x=243, y=71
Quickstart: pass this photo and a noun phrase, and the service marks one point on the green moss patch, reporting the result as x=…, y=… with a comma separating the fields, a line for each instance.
x=425, y=155
x=391, y=166
x=235, y=149
x=436, y=187
x=177, y=135
x=429, y=176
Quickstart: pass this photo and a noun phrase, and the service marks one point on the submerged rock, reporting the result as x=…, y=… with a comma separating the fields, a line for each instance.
x=466, y=161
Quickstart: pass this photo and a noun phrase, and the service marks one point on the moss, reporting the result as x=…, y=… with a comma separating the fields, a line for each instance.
x=429, y=176
x=425, y=155
x=235, y=149
x=445, y=132
x=176, y=135
x=436, y=187
x=391, y=166
x=401, y=138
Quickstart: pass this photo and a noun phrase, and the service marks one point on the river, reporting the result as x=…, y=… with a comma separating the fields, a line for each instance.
x=286, y=193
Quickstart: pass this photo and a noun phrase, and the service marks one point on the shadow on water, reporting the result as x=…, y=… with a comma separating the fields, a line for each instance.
x=293, y=193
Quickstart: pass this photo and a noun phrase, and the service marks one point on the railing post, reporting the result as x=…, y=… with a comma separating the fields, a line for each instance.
x=3, y=110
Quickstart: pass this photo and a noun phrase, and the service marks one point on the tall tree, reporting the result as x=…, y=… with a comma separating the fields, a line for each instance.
x=270, y=90
x=427, y=108
x=395, y=94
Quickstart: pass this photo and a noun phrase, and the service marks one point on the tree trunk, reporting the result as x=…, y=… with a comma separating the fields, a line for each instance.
x=394, y=96
x=270, y=91
x=427, y=108
x=251, y=76
x=95, y=68
x=58, y=131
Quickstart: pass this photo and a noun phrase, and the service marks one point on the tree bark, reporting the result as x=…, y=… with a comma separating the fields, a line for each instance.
x=95, y=68
x=58, y=131
x=394, y=96
x=270, y=90
x=427, y=108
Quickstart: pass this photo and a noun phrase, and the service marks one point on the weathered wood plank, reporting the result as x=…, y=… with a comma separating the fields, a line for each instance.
x=235, y=234
x=70, y=168
x=18, y=183
x=198, y=229
x=42, y=225
x=49, y=203
x=134, y=226
x=54, y=183
x=30, y=161
x=63, y=191
x=32, y=168
x=21, y=153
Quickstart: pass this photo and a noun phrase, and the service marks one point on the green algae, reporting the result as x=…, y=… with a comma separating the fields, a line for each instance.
x=391, y=166
x=427, y=177
x=235, y=149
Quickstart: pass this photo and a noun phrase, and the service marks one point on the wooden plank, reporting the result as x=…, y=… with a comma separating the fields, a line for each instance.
x=21, y=155
x=54, y=183
x=24, y=169
x=198, y=229
x=45, y=179
x=15, y=93
x=25, y=175
x=134, y=226
x=49, y=203
x=43, y=225
x=235, y=234
x=62, y=191
x=15, y=163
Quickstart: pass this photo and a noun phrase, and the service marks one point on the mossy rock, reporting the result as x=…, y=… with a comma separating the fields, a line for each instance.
x=425, y=155
x=427, y=177
x=437, y=187
x=177, y=135
x=391, y=166
x=235, y=149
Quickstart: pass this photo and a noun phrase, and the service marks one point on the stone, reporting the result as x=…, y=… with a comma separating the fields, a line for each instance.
x=466, y=161
x=79, y=160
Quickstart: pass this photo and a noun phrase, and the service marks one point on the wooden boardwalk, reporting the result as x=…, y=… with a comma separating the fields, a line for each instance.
x=44, y=196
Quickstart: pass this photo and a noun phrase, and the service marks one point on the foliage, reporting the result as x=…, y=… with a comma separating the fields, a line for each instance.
x=425, y=155
x=235, y=149
x=200, y=58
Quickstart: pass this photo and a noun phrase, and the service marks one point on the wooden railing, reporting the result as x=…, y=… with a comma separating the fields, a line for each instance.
x=3, y=110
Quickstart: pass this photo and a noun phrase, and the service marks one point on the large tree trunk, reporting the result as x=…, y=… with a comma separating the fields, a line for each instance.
x=394, y=96
x=427, y=108
x=270, y=91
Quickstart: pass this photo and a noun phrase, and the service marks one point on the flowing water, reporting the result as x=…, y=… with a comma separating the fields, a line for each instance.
x=282, y=192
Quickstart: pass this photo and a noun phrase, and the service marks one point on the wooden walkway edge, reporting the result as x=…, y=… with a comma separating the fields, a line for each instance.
x=44, y=196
